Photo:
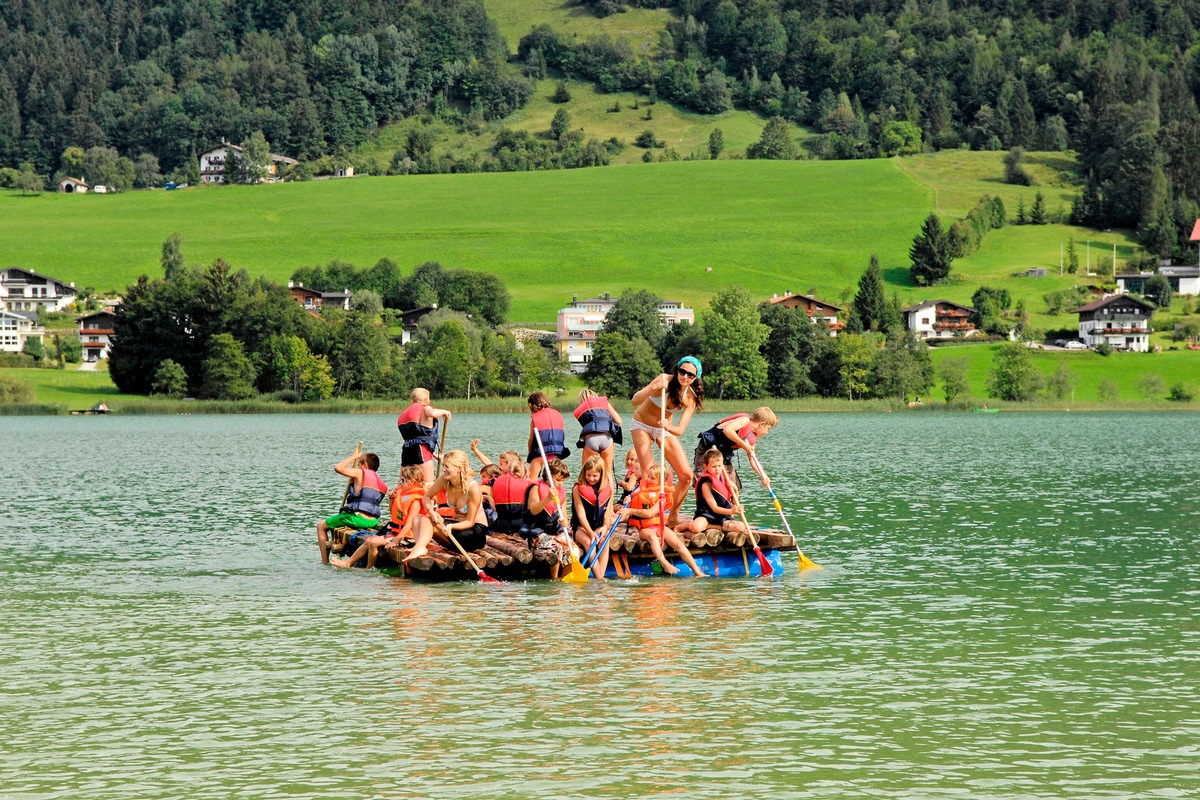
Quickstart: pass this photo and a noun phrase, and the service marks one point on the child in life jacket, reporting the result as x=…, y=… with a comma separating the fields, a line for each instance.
x=591, y=500
x=633, y=474
x=545, y=434
x=649, y=504
x=404, y=506
x=715, y=506
x=545, y=517
x=487, y=476
x=360, y=509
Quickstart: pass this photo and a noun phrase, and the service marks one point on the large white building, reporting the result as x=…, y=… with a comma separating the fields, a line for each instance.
x=15, y=330
x=213, y=161
x=26, y=290
x=579, y=323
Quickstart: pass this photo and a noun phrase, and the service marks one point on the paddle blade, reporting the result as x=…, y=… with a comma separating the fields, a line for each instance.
x=763, y=564
x=485, y=578
x=807, y=563
x=577, y=574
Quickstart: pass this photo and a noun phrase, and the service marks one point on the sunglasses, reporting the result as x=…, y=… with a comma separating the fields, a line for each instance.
x=686, y=373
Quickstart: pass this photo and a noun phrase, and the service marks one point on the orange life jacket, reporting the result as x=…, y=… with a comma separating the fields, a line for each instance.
x=648, y=497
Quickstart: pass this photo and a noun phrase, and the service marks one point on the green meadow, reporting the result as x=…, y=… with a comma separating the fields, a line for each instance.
x=515, y=18
x=771, y=226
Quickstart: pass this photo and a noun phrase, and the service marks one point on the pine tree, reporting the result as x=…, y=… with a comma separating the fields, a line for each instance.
x=930, y=253
x=1037, y=214
x=1072, y=256
x=870, y=302
x=1022, y=217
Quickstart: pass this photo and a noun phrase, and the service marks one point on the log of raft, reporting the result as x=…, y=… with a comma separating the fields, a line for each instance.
x=510, y=545
x=503, y=559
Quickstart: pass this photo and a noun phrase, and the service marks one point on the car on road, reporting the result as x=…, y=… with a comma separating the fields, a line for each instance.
x=1075, y=345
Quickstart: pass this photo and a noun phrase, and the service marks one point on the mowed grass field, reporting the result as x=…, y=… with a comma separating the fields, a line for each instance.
x=770, y=226
x=1125, y=370
x=515, y=18
x=591, y=113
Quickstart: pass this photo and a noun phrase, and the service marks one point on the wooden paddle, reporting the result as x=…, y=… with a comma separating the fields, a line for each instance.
x=662, y=466
x=350, y=481
x=805, y=562
x=763, y=564
x=577, y=574
x=482, y=575
x=437, y=473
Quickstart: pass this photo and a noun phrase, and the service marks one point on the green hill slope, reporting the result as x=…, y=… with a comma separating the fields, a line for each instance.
x=772, y=226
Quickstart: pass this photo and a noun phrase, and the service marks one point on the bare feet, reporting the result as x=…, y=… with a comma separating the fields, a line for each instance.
x=340, y=562
x=670, y=569
x=416, y=552
x=699, y=574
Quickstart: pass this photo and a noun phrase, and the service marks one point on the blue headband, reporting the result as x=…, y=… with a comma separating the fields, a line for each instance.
x=691, y=360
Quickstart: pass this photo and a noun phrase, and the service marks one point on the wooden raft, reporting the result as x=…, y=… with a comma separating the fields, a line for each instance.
x=509, y=557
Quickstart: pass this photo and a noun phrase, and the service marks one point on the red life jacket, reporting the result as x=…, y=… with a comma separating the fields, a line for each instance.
x=715, y=437
x=594, y=504
x=549, y=424
x=415, y=434
x=366, y=500
x=509, y=495
x=720, y=489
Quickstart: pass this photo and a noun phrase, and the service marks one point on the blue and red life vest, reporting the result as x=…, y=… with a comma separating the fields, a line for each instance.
x=549, y=424
x=594, y=416
x=715, y=437
x=721, y=494
x=509, y=496
x=595, y=504
x=415, y=434
x=365, y=502
x=548, y=519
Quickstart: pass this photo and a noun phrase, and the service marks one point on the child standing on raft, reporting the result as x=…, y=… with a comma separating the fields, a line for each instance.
x=737, y=432
x=652, y=423
x=546, y=424
x=645, y=511
x=418, y=425
x=601, y=427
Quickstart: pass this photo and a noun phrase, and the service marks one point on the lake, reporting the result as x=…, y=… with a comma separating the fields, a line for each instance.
x=1008, y=609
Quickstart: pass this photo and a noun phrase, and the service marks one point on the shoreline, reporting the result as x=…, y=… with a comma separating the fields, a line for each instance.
x=136, y=406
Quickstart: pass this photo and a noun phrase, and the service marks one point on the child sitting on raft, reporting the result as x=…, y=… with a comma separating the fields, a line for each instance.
x=364, y=492
x=405, y=506
x=646, y=509
x=591, y=500
x=633, y=474
x=545, y=520
x=715, y=506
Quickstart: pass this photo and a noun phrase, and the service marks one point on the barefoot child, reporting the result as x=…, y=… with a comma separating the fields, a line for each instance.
x=406, y=506
x=591, y=499
x=645, y=512
x=418, y=426
x=714, y=498
x=545, y=520
x=549, y=426
x=363, y=496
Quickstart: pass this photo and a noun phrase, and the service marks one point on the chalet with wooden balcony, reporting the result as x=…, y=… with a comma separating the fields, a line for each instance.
x=214, y=160
x=25, y=290
x=1120, y=319
x=819, y=311
x=96, y=333
x=939, y=319
x=314, y=301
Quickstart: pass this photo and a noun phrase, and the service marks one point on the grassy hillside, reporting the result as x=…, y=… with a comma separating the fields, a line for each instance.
x=515, y=17
x=803, y=226
x=590, y=112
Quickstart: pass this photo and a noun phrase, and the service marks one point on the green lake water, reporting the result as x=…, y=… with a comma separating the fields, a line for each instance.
x=1008, y=609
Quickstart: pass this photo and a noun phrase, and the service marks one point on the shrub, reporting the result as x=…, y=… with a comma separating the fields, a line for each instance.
x=15, y=391
x=1181, y=393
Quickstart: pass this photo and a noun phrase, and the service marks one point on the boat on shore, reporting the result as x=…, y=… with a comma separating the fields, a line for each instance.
x=509, y=557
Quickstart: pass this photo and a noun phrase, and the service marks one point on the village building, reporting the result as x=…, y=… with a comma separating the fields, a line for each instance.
x=96, y=334
x=72, y=186
x=1183, y=280
x=819, y=311
x=939, y=319
x=1121, y=320
x=213, y=161
x=579, y=323
x=15, y=329
x=314, y=301
x=26, y=290
x=409, y=320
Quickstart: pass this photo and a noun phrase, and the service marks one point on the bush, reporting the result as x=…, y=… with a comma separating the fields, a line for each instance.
x=289, y=396
x=15, y=391
x=1104, y=349
x=647, y=139
x=170, y=380
x=1181, y=393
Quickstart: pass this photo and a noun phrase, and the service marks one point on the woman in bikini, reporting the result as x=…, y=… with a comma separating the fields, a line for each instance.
x=469, y=524
x=652, y=423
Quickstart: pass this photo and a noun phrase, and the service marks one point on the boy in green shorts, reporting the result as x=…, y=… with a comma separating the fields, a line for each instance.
x=363, y=496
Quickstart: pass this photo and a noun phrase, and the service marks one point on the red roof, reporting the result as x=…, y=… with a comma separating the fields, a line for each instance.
x=1196, y=232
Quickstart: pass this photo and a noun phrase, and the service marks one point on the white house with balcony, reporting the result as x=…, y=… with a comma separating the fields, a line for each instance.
x=1120, y=319
x=214, y=159
x=939, y=319
x=96, y=334
x=26, y=290
x=15, y=330
x=579, y=323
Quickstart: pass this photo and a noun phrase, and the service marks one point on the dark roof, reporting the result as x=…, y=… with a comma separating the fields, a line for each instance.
x=413, y=315
x=1102, y=302
x=927, y=303
x=105, y=313
x=67, y=288
x=810, y=298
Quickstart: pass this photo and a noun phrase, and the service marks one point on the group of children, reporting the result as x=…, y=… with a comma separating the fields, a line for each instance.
x=534, y=497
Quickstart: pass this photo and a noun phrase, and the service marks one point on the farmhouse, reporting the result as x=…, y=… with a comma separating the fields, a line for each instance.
x=213, y=161
x=96, y=334
x=1120, y=319
x=72, y=186
x=579, y=323
x=15, y=330
x=939, y=319
x=26, y=290
x=409, y=320
x=818, y=311
x=314, y=301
